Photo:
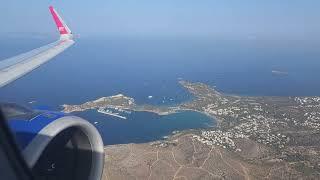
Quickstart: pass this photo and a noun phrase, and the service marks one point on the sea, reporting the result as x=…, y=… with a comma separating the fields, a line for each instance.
x=148, y=69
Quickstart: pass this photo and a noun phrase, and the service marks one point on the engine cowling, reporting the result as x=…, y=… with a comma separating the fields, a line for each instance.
x=57, y=145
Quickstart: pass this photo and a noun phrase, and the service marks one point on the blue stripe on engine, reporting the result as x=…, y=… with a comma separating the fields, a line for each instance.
x=26, y=130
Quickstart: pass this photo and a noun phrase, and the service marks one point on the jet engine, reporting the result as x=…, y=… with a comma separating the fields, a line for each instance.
x=56, y=145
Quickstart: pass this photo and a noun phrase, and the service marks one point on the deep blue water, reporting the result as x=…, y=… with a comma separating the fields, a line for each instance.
x=141, y=67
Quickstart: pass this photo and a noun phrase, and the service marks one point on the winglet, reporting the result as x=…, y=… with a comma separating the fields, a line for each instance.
x=65, y=32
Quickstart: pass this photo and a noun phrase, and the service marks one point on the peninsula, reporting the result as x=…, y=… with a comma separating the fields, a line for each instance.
x=274, y=135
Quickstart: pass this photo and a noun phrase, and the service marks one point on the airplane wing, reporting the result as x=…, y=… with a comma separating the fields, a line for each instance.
x=16, y=67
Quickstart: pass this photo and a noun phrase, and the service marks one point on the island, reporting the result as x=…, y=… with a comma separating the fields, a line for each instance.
x=118, y=102
x=256, y=138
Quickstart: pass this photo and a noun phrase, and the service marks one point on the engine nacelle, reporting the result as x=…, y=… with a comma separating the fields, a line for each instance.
x=57, y=145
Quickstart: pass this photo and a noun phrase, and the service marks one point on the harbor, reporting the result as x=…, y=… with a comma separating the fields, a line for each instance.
x=109, y=112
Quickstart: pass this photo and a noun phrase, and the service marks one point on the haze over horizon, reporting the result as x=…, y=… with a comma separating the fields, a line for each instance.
x=288, y=20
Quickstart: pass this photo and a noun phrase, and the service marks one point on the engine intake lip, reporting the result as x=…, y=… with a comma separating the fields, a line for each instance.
x=36, y=147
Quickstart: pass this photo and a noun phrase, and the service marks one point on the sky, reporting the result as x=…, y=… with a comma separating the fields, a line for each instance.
x=233, y=19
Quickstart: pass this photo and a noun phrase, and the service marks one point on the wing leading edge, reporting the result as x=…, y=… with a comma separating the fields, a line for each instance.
x=18, y=66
